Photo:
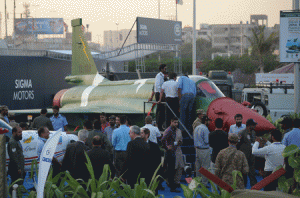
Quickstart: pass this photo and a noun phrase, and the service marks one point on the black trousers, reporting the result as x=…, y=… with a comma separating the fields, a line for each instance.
x=120, y=157
x=251, y=174
x=272, y=186
x=174, y=105
x=160, y=112
x=170, y=162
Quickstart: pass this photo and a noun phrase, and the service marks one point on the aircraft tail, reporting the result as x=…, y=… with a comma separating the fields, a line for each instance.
x=84, y=69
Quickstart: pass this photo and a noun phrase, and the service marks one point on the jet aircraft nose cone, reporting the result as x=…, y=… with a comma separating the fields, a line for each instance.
x=227, y=108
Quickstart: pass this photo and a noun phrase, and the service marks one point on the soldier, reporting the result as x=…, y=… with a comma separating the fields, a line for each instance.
x=200, y=114
x=230, y=159
x=15, y=153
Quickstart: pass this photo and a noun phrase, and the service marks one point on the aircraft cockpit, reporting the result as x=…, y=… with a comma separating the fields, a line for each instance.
x=207, y=89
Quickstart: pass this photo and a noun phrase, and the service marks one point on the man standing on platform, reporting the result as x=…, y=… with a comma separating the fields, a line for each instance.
x=170, y=88
x=186, y=95
x=4, y=113
x=160, y=110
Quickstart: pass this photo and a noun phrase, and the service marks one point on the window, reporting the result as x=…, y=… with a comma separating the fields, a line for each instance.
x=254, y=97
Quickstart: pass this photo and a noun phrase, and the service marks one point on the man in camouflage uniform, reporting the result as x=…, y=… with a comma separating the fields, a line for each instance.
x=231, y=159
x=16, y=157
x=200, y=114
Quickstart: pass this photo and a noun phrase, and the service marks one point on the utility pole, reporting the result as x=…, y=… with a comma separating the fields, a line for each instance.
x=296, y=72
x=14, y=17
x=5, y=20
x=194, y=38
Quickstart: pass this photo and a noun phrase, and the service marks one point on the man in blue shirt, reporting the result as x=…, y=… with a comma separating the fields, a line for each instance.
x=4, y=113
x=201, y=143
x=120, y=139
x=186, y=94
x=108, y=131
x=58, y=121
x=43, y=133
x=293, y=137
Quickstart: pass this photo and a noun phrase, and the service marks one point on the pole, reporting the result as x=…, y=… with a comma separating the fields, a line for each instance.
x=14, y=16
x=5, y=21
x=296, y=72
x=158, y=9
x=176, y=10
x=194, y=38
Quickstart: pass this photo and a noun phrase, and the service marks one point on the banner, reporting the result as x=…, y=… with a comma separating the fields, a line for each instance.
x=289, y=37
x=45, y=162
x=158, y=31
x=39, y=26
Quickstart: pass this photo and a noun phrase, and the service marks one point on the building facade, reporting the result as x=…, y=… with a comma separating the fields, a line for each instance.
x=204, y=32
x=114, y=39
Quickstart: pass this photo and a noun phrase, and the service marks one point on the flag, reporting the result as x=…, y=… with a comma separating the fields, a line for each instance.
x=45, y=162
x=180, y=2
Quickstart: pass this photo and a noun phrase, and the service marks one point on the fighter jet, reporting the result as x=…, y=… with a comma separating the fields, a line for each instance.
x=94, y=93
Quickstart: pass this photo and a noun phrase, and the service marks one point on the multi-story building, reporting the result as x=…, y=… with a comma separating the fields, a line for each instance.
x=233, y=38
x=114, y=39
x=204, y=33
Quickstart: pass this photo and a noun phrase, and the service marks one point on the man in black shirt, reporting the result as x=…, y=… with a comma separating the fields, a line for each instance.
x=218, y=139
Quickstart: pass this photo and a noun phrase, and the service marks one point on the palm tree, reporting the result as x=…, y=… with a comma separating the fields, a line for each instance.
x=262, y=45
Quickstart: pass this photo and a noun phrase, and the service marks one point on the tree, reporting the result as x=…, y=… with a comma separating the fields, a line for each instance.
x=262, y=45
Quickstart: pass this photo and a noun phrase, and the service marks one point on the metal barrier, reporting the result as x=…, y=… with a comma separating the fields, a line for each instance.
x=167, y=105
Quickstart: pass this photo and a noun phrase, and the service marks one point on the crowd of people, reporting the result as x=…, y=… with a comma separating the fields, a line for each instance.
x=134, y=152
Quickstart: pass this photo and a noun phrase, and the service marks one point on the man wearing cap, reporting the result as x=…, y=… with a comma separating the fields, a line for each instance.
x=4, y=113
x=247, y=139
x=201, y=143
x=200, y=114
x=238, y=126
x=186, y=95
x=230, y=159
x=42, y=121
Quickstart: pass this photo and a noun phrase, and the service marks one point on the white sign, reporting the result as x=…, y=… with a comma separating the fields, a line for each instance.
x=45, y=162
x=289, y=38
x=268, y=78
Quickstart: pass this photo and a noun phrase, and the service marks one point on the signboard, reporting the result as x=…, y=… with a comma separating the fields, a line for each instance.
x=158, y=31
x=289, y=37
x=39, y=26
x=268, y=78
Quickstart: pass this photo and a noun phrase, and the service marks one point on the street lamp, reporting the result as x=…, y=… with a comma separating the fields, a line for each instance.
x=117, y=34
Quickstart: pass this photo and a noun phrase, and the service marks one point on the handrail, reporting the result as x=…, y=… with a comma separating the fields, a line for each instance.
x=165, y=103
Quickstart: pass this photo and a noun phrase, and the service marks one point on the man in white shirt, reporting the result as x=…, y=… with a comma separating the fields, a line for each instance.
x=154, y=132
x=236, y=128
x=170, y=88
x=272, y=153
x=160, y=110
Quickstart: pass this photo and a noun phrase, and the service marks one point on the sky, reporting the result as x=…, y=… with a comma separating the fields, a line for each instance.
x=104, y=15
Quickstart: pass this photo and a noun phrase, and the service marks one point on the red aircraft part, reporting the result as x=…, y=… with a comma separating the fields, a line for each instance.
x=3, y=130
x=266, y=181
x=227, y=108
x=57, y=97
